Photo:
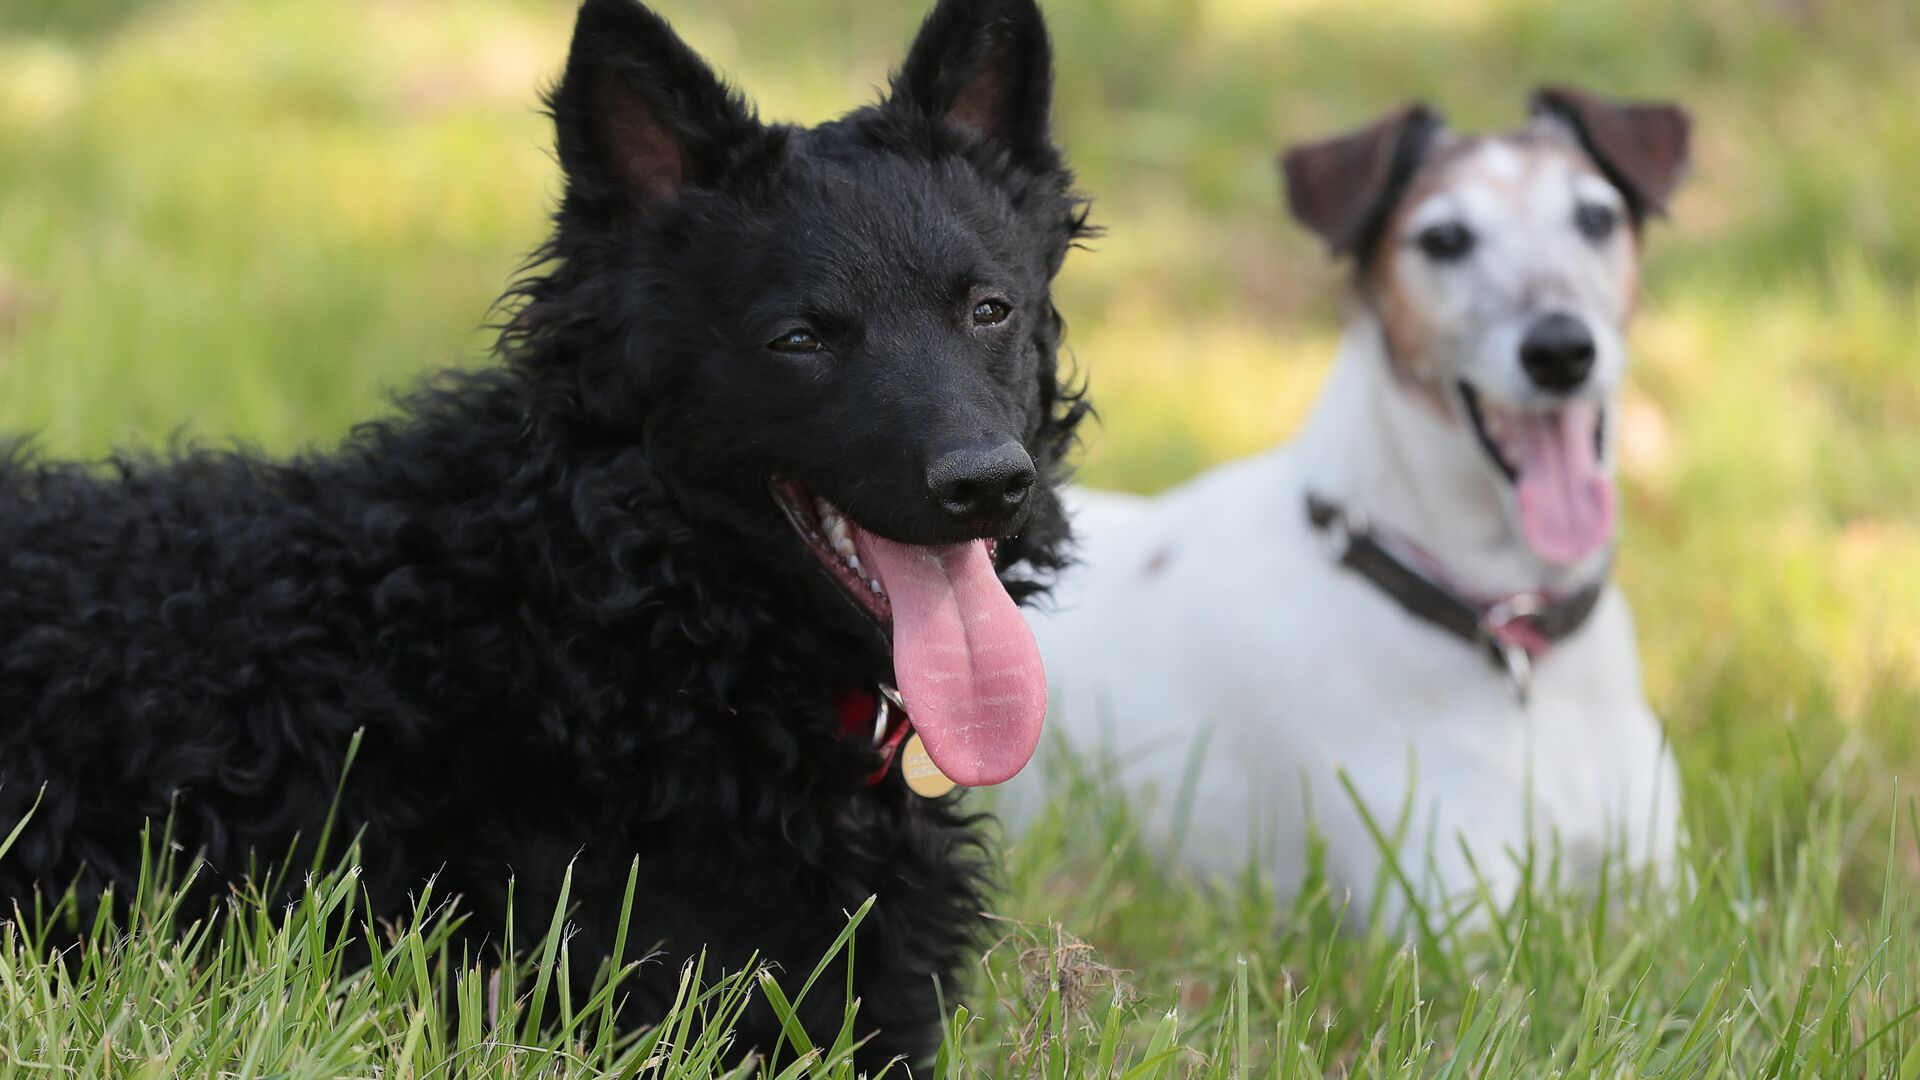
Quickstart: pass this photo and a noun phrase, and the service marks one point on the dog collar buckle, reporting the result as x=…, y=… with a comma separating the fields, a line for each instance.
x=1340, y=526
x=1512, y=640
x=1518, y=664
x=1519, y=606
x=878, y=718
x=889, y=707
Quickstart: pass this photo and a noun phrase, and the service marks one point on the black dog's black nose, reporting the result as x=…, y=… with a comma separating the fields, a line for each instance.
x=982, y=486
x=1557, y=352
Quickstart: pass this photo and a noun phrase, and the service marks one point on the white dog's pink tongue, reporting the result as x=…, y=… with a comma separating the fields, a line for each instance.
x=1565, y=494
x=963, y=657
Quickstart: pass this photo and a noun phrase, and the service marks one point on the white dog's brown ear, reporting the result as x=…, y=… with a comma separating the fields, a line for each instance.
x=1641, y=146
x=1343, y=188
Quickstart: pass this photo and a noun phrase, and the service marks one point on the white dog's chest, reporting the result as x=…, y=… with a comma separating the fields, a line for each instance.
x=1246, y=642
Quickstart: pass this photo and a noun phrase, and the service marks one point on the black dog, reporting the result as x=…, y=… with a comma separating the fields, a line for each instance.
x=762, y=416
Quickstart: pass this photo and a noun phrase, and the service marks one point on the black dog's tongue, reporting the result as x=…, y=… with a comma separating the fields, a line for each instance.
x=964, y=658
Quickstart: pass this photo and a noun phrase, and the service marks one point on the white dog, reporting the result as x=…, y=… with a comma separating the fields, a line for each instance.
x=1413, y=597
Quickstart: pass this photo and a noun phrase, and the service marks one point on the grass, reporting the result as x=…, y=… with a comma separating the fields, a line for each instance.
x=1757, y=965
x=233, y=218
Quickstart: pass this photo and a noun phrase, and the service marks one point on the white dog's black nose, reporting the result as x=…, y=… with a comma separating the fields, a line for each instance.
x=1557, y=352
x=982, y=486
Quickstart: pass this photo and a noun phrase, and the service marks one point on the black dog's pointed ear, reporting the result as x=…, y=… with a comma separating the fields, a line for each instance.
x=986, y=68
x=638, y=115
x=1344, y=187
x=1641, y=146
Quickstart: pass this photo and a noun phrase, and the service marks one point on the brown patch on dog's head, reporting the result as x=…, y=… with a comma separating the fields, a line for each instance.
x=1406, y=327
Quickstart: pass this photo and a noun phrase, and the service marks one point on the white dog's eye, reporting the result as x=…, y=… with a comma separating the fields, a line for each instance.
x=1449, y=241
x=1595, y=222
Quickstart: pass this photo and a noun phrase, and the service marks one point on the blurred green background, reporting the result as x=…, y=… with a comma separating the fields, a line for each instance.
x=255, y=218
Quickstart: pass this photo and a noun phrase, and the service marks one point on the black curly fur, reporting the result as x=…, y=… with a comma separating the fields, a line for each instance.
x=555, y=593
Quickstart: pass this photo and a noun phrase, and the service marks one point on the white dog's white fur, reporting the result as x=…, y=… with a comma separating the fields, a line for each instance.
x=1212, y=641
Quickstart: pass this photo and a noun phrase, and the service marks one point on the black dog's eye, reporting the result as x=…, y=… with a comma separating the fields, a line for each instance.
x=1595, y=222
x=991, y=312
x=797, y=341
x=1446, y=242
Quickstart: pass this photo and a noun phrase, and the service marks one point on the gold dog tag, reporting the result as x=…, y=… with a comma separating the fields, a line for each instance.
x=924, y=778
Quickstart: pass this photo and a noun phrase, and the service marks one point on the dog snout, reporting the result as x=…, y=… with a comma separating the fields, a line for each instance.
x=982, y=486
x=1557, y=352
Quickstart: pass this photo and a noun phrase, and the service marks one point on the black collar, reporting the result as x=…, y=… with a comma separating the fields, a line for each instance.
x=1512, y=633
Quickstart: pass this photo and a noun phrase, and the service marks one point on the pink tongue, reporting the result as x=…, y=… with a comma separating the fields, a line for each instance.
x=1566, y=496
x=964, y=659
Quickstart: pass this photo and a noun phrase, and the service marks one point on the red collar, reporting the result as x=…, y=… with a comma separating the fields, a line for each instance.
x=871, y=717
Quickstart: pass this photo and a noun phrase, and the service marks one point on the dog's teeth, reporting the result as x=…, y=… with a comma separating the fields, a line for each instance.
x=875, y=586
x=841, y=537
x=853, y=561
x=823, y=508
